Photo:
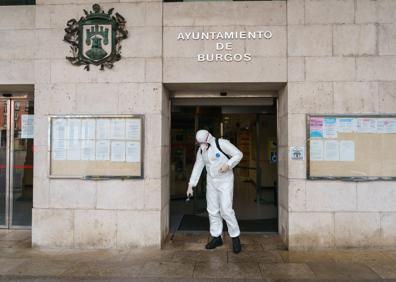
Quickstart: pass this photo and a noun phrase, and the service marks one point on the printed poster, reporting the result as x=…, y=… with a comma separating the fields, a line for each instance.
x=133, y=152
x=103, y=128
x=87, y=150
x=330, y=127
x=117, y=128
x=316, y=150
x=27, y=127
x=102, y=150
x=331, y=150
x=316, y=127
x=347, y=151
x=118, y=151
x=74, y=126
x=133, y=129
x=88, y=129
x=73, y=149
x=346, y=125
x=390, y=125
x=367, y=125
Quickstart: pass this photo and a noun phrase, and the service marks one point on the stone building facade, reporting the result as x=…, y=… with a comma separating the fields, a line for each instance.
x=324, y=56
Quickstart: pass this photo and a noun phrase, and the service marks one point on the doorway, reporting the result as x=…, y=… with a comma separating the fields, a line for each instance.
x=253, y=129
x=16, y=161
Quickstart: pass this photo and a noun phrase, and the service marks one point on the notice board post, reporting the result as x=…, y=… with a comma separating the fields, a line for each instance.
x=351, y=147
x=96, y=147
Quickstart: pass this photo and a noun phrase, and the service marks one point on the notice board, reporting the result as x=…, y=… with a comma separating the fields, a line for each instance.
x=96, y=147
x=351, y=147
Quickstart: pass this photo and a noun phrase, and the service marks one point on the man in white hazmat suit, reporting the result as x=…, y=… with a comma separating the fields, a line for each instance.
x=219, y=157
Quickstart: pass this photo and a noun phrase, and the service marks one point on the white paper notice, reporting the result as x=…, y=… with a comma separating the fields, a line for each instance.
x=331, y=152
x=74, y=126
x=347, y=151
x=133, y=128
x=346, y=125
x=88, y=129
x=118, y=129
x=367, y=125
x=330, y=128
x=59, y=129
x=381, y=125
x=27, y=126
x=58, y=149
x=87, y=150
x=133, y=152
x=390, y=125
x=74, y=150
x=118, y=151
x=316, y=150
x=102, y=128
x=102, y=150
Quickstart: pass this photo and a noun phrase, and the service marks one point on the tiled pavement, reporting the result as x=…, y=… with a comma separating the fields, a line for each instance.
x=184, y=259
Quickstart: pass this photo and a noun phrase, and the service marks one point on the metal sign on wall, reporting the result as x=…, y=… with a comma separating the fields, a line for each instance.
x=96, y=38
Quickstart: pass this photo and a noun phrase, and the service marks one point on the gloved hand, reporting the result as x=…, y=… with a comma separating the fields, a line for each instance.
x=190, y=191
x=224, y=168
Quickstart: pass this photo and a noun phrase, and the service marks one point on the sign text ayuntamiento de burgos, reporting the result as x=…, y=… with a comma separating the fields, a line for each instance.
x=226, y=45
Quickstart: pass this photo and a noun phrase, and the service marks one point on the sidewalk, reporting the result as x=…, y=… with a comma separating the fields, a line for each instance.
x=185, y=259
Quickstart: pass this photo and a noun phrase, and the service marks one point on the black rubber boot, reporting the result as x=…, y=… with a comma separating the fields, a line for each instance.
x=215, y=242
x=236, y=245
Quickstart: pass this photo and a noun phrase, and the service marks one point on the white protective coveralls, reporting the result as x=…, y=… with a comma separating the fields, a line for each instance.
x=220, y=186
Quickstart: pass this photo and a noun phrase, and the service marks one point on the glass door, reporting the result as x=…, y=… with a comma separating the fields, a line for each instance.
x=4, y=120
x=16, y=155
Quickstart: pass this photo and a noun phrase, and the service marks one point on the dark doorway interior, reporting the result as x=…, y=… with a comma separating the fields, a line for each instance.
x=253, y=130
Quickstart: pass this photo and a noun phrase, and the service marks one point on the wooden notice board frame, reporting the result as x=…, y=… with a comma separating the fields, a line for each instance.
x=126, y=163
x=374, y=157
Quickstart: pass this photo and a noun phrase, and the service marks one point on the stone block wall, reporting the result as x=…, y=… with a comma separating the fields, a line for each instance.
x=17, y=31
x=113, y=213
x=341, y=60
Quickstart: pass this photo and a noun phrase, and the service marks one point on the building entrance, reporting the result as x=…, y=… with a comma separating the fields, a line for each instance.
x=16, y=161
x=254, y=131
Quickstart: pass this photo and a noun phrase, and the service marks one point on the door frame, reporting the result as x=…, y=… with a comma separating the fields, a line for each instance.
x=253, y=103
x=9, y=195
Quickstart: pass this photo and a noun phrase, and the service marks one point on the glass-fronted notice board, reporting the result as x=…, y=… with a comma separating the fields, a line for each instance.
x=361, y=147
x=96, y=147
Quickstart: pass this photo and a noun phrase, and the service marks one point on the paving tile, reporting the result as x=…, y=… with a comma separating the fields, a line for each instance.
x=342, y=271
x=103, y=269
x=83, y=255
x=17, y=235
x=3, y=232
x=301, y=257
x=144, y=255
x=385, y=270
x=9, y=244
x=210, y=256
x=249, y=247
x=193, y=238
x=390, y=254
x=167, y=270
x=227, y=270
x=9, y=263
x=252, y=256
x=286, y=271
x=358, y=256
x=34, y=267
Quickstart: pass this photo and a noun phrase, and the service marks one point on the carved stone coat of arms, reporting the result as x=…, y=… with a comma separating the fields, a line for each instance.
x=95, y=39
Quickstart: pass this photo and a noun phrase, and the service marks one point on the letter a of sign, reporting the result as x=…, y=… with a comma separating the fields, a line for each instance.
x=96, y=38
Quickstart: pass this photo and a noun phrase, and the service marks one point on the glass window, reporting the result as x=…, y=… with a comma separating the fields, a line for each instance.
x=17, y=2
